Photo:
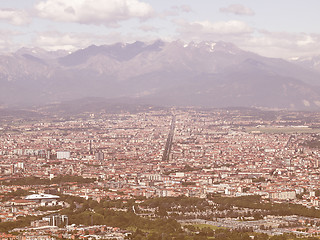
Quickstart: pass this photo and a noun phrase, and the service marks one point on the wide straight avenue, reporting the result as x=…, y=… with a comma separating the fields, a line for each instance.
x=167, y=149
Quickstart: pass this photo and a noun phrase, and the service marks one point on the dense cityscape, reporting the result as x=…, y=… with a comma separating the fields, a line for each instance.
x=159, y=120
x=250, y=171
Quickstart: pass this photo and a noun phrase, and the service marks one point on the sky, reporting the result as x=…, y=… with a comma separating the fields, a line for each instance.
x=272, y=28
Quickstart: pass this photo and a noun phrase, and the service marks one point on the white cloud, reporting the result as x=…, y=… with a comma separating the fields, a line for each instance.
x=148, y=28
x=176, y=11
x=97, y=12
x=7, y=42
x=15, y=17
x=238, y=9
x=270, y=44
x=55, y=40
x=283, y=44
x=207, y=30
x=229, y=27
x=186, y=8
x=307, y=40
x=183, y=8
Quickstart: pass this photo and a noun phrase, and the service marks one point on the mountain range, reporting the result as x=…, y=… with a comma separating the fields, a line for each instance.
x=208, y=74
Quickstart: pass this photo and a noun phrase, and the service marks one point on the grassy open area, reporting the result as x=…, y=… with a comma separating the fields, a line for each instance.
x=202, y=226
x=277, y=129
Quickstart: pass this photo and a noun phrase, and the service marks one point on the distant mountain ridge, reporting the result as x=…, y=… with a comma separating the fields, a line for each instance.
x=210, y=74
x=312, y=63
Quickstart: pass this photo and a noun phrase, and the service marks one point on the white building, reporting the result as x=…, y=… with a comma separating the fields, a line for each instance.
x=283, y=195
x=63, y=155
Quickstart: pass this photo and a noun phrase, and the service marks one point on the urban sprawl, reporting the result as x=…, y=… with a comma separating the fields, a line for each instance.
x=252, y=171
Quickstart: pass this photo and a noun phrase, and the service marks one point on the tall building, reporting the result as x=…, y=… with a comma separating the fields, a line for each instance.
x=99, y=156
x=57, y=220
x=48, y=155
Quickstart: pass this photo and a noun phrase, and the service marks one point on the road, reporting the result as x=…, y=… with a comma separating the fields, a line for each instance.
x=167, y=149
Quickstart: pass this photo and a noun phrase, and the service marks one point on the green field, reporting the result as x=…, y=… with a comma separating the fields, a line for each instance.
x=288, y=130
x=201, y=226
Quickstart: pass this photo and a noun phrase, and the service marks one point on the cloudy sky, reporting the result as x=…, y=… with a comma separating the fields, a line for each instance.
x=273, y=28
